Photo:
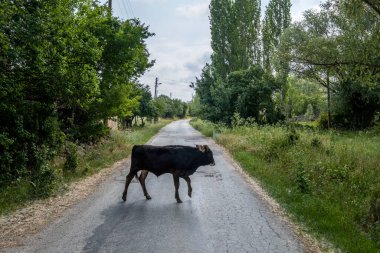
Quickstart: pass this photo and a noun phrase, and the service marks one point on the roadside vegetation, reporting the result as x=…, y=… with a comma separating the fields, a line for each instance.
x=76, y=162
x=66, y=69
x=297, y=103
x=327, y=181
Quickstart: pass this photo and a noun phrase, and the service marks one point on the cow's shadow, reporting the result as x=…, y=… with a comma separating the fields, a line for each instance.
x=137, y=226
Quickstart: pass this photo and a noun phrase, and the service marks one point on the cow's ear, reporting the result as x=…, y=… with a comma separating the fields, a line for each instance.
x=206, y=148
x=201, y=148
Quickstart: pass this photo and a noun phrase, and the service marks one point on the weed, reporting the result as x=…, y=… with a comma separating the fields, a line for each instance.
x=71, y=154
x=292, y=136
x=301, y=180
x=315, y=142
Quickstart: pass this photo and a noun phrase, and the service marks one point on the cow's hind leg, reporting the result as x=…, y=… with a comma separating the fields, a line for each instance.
x=189, y=189
x=127, y=182
x=176, y=185
x=143, y=175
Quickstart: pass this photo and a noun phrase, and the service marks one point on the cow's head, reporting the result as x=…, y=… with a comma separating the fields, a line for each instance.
x=207, y=151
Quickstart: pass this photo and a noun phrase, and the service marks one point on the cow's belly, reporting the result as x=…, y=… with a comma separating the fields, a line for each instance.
x=179, y=172
x=159, y=172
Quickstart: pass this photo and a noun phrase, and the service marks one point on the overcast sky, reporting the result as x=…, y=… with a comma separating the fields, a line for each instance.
x=181, y=46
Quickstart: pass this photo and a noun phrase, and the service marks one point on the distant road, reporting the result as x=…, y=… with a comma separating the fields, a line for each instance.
x=223, y=215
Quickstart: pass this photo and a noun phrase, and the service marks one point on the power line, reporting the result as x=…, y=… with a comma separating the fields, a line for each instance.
x=119, y=9
x=129, y=3
x=122, y=6
x=126, y=9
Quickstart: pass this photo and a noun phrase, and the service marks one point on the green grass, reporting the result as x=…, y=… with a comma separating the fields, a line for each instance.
x=308, y=123
x=325, y=180
x=90, y=160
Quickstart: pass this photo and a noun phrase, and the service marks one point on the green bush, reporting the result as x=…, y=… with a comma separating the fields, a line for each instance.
x=292, y=136
x=301, y=180
x=44, y=183
x=316, y=142
x=323, y=121
x=71, y=155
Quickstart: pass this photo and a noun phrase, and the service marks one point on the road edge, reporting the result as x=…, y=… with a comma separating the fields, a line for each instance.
x=32, y=219
x=311, y=244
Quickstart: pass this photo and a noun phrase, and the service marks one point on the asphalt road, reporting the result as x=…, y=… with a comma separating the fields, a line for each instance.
x=223, y=215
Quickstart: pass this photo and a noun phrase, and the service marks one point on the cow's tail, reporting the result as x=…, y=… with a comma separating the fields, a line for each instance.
x=132, y=158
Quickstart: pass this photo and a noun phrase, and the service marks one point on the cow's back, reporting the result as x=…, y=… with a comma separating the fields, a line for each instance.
x=163, y=159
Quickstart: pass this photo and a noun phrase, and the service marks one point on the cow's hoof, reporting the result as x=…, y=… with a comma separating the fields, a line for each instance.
x=148, y=197
x=124, y=198
x=179, y=201
x=189, y=193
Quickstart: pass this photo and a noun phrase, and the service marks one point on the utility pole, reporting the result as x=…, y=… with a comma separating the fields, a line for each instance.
x=155, y=87
x=110, y=4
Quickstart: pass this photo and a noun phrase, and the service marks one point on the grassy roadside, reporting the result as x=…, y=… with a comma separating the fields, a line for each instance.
x=89, y=159
x=329, y=182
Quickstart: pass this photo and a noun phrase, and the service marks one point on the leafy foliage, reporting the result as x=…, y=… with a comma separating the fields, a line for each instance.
x=246, y=92
x=235, y=29
x=64, y=67
x=276, y=20
x=339, y=48
x=234, y=82
x=169, y=108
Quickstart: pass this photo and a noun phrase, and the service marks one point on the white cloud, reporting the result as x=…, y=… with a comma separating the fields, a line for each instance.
x=192, y=10
x=177, y=65
x=300, y=6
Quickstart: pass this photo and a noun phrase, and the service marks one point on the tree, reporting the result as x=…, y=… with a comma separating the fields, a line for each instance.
x=340, y=50
x=203, y=88
x=220, y=18
x=235, y=29
x=124, y=58
x=300, y=94
x=252, y=94
x=64, y=66
x=277, y=18
x=147, y=108
x=245, y=43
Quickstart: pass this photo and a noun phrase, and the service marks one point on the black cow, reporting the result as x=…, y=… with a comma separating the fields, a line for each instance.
x=181, y=161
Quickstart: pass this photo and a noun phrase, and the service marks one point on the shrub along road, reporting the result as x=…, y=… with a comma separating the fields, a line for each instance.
x=224, y=214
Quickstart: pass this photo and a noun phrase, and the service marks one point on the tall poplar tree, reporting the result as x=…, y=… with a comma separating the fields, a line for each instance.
x=277, y=19
x=220, y=12
x=246, y=30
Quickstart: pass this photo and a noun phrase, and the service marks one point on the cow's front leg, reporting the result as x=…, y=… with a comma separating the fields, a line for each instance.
x=127, y=182
x=143, y=175
x=176, y=185
x=189, y=189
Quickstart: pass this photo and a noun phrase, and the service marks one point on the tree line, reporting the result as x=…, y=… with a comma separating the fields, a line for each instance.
x=65, y=68
x=271, y=69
